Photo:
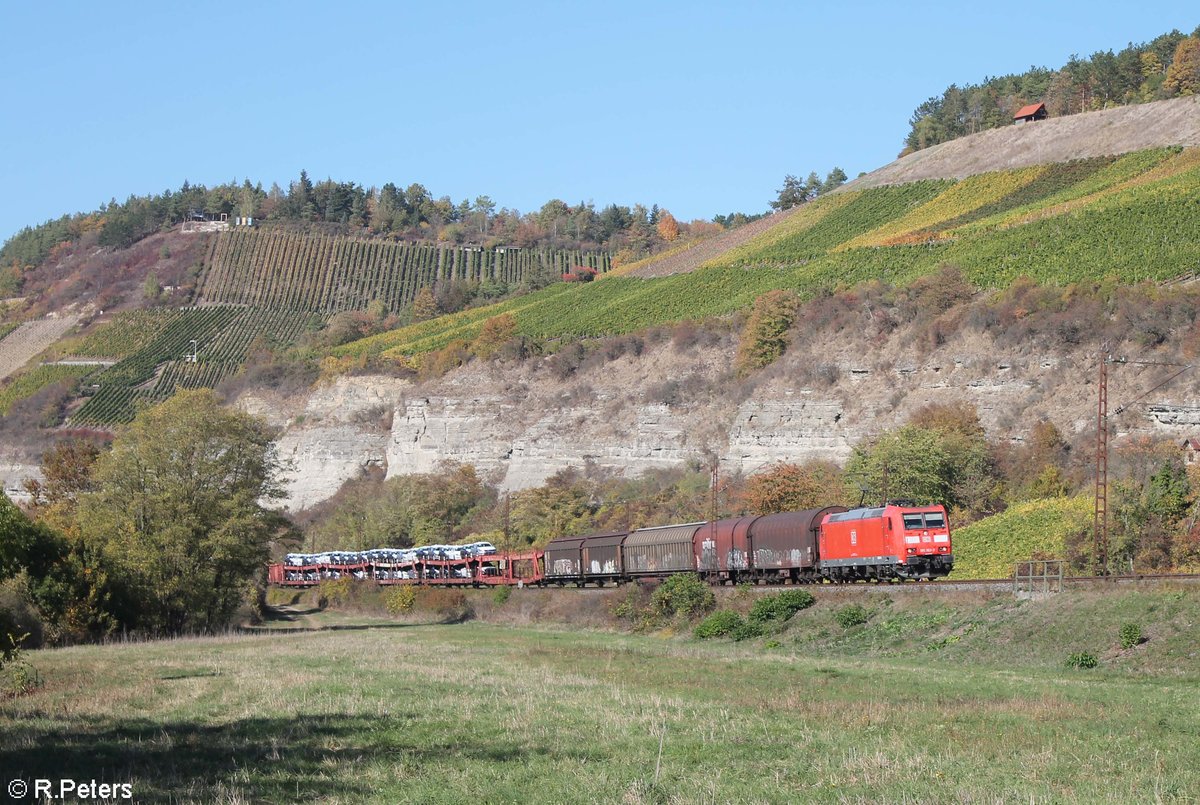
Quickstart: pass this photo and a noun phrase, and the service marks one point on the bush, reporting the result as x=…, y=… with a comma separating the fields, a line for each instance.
x=722, y=623
x=748, y=631
x=400, y=599
x=764, y=337
x=779, y=607
x=852, y=615
x=1131, y=635
x=1082, y=659
x=334, y=592
x=18, y=616
x=501, y=594
x=17, y=677
x=449, y=605
x=682, y=596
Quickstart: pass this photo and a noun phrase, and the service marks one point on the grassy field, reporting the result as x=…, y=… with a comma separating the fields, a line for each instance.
x=348, y=708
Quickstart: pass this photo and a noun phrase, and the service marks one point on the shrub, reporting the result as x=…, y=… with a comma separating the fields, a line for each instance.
x=1131, y=635
x=501, y=594
x=748, y=630
x=400, y=599
x=449, y=605
x=721, y=623
x=17, y=677
x=852, y=615
x=764, y=337
x=334, y=592
x=1082, y=659
x=780, y=607
x=683, y=596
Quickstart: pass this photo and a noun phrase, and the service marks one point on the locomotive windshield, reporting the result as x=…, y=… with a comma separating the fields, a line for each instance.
x=917, y=520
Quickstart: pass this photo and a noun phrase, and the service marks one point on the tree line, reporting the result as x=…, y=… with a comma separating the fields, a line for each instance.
x=1166, y=67
x=410, y=213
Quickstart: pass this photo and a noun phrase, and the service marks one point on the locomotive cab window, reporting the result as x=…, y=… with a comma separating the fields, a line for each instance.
x=912, y=521
x=935, y=520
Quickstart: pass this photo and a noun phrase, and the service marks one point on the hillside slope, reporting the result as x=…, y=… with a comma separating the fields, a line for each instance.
x=1132, y=218
x=1092, y=134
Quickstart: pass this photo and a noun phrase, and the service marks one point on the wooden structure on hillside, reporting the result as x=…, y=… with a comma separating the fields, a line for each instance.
x=1030, y=113
x=1191, y=450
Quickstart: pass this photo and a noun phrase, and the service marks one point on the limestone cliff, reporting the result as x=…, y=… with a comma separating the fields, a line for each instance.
x=519, y=424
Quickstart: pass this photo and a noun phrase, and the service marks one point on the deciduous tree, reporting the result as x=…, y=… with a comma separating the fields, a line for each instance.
x=1183, y=76
x=765, y=335
x=793, y=487
x=178, y=509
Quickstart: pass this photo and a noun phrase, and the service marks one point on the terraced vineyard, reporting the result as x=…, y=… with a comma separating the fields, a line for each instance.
x=31, y=381
x=1133, y=218
x=331, y=274
x=121, y=336
x=223, y=335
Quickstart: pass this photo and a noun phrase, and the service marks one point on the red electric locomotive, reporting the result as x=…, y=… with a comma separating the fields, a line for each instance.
x=890, y=542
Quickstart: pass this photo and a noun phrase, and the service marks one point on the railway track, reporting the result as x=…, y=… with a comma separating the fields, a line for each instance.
x=1007, y=585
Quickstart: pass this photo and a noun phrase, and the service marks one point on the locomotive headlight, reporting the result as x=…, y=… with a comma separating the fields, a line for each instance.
x=912, y=550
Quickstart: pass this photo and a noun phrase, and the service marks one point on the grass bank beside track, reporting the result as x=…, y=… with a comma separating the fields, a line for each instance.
x=351, y=707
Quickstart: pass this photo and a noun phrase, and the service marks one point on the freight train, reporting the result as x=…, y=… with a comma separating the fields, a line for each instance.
x=894, y=542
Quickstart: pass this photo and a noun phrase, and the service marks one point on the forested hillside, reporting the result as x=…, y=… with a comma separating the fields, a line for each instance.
x=1166, y=67
x=347, y=209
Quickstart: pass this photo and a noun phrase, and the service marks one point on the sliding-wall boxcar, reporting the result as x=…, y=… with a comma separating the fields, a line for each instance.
x=784, y=545
x=723, y=549
x=564, y=559
x=661, y=550
x=601, y=556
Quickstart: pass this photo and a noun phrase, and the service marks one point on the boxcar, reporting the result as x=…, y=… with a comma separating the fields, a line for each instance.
x=655, y=551
x=786, y=544
x=564, y=558
x=602, y=556
x=723, y=548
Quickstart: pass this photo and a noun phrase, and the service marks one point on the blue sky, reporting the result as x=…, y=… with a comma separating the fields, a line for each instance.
x=701, y=108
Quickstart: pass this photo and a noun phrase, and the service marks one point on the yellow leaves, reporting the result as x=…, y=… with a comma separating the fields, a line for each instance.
x=496, y=331
x=668, y=227
x=963, y=197
x=988, y=548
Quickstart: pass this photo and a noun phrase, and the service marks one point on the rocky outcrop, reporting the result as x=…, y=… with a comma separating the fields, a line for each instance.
x=518, y=425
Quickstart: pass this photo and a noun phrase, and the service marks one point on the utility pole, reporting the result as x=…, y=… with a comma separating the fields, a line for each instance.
x=1100, y=521
x=507, y=522
x=716, y=476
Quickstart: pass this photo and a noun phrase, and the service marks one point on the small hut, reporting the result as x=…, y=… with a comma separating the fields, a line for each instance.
x=1030, y=113
x=1191, y=450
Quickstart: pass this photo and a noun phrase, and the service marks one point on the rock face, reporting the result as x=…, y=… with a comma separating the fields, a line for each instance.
x=518, y=425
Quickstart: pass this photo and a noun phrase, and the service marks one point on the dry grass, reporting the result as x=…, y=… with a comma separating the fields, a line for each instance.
x=378, y=710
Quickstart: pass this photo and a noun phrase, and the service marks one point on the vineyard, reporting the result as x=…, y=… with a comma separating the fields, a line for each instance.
x=1132, y=217
x=328, y=275
x=224, y=335
x=30, y=382
x=987, y=549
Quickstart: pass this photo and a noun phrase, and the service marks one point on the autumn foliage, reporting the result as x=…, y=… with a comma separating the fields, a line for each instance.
x=792, y=487
x=765, y=336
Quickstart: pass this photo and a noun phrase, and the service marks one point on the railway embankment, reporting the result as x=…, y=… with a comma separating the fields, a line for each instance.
x=1150, y=626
